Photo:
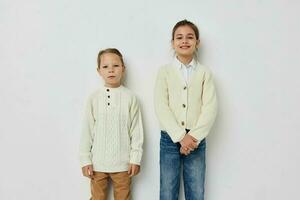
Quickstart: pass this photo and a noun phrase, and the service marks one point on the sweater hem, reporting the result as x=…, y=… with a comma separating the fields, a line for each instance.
x=111, y=169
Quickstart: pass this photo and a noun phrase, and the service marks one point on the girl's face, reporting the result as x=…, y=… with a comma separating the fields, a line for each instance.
x=185, y=42
x=111, y=69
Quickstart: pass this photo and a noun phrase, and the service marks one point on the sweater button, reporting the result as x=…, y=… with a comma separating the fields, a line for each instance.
x=184, y=88
x=108, y=96
x=182, y=123
x=108, y=103
x=107, y=90
x=183, y=105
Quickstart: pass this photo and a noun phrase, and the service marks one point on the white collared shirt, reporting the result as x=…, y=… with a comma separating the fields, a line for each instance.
x=186, y=70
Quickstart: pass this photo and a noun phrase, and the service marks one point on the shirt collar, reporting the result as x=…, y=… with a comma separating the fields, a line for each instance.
x=179, y=64
x=110, y=89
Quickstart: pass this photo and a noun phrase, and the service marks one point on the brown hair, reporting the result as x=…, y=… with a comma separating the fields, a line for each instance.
x=186, y=23
x=109, y=50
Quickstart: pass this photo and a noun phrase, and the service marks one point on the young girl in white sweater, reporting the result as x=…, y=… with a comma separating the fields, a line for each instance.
x=112, y=137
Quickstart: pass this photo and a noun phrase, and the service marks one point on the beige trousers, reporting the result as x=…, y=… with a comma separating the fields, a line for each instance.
x=120, y=181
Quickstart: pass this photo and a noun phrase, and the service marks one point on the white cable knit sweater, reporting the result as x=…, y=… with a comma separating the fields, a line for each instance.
x=112, y=135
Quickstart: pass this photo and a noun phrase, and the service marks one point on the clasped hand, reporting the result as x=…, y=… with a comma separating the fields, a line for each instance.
x=188, y=144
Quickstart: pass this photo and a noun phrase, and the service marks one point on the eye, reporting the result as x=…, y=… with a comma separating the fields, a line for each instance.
x=190, y=37
x=178, y=38
x=104, y=66
x=116, y=65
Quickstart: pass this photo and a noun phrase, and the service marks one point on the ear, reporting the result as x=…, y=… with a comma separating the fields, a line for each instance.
x=99, y=72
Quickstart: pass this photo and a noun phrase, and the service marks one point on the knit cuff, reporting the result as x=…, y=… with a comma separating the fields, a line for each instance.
x=178, y=137
x=135, y=157
x=84, y=161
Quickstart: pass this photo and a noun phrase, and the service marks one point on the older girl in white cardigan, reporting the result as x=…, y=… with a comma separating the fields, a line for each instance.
x=186, y=107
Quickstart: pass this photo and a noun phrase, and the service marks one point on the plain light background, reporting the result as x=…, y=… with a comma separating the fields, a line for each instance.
x=48, y=53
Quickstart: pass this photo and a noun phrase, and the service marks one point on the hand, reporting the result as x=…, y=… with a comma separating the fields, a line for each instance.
x=184, y=151
x=88, y=171
x=133, y=170
x=188, y=143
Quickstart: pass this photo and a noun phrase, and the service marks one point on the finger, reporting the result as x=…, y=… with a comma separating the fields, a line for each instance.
x=137, y=171
x=191, y=146
x=129, y=170
x=131, y=173
x=85, y=173
x=195, y=145
x=183, y=151
x=91, y=172
x=134, y=171
x=88, y=174
x=194, y=139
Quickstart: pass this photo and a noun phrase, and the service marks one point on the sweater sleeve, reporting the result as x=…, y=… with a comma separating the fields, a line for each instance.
x=87, y=135
x=162, y=109
x=136, y=133
x=208, y=109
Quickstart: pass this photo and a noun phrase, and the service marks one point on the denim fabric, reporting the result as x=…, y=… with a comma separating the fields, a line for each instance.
x=171, y=162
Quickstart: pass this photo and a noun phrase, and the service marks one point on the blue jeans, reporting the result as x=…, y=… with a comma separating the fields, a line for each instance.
x=170, y=167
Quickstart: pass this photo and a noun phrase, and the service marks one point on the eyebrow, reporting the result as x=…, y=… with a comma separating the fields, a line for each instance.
x=180, y=34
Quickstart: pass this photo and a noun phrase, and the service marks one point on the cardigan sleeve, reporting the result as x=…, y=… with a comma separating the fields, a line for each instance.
x=162, y=109
x=136, y=133
x=208, y=110
x=87, y=135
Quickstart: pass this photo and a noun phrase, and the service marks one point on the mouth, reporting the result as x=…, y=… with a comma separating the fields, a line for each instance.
x=184, y=47
x=111, y=77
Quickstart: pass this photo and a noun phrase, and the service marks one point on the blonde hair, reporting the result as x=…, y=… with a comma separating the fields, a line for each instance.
x=109, y=50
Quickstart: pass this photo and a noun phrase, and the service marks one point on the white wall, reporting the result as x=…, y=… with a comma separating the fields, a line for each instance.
x=48, y=55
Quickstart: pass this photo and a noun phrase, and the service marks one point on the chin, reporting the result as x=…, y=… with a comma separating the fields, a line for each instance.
x=186, y=54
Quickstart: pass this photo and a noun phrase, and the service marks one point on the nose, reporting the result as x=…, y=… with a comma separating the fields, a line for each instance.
x=111, y=69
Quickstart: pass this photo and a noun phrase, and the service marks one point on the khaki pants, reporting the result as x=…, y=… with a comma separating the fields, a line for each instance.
x=121, y=185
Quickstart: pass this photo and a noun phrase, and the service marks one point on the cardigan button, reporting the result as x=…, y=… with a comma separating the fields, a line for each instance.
x=108, y=103
x=183, y=105
x=107, y=90
x=184, y=88
x=108, y=96
x=182, y=123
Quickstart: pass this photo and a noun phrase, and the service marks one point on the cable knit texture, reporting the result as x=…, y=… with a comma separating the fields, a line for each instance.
x=112, y=135
x=181, y=106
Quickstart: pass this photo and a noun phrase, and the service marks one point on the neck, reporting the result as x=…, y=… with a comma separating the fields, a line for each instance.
x=112, y=85
x=185, y=59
